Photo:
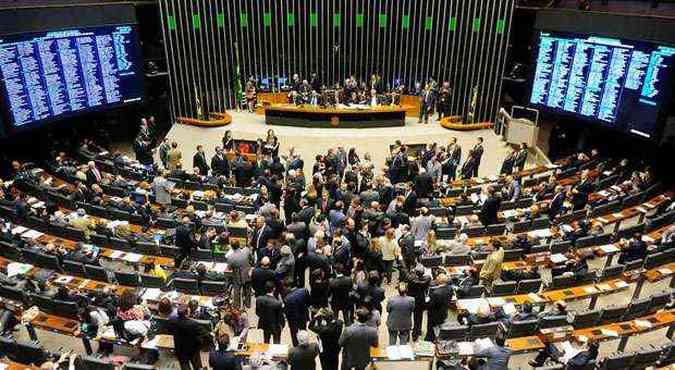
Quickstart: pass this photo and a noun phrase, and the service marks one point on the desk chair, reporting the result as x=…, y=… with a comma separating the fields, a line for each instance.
x=451, y=332
x=585, y=241
x=658, y=301
x=513, y=254
x=27, y=353
x=522, y=328
x=562, y=282
x=70, y=310
x=561, y=247
x=612, y=271
x=127, y=278
x=621, y=360
x=188, y=286
x=149, y=281
x=488, y=330
x=654, y=260
x=456, y=260
x=47, y=261
x=646, y=357
x=213, y=288
x=11, y=293
x=96, y=273
x=496, y=229
x=520, y=227
x=529, y=286
x=504, y=288
x=541, y=223
x=169, y=251
x=446, y=233
x=586, y=319
x=10, y=251
x=464, y=210
x=637, y=308
x=612, y=314
x=548, y=322
x=93, y=363
x=129, y=366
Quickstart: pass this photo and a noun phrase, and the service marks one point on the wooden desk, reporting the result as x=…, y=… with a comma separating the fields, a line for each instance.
x=11, y=365
x=314, y=116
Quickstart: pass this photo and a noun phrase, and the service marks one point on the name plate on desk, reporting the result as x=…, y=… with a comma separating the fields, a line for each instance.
x=556, y=334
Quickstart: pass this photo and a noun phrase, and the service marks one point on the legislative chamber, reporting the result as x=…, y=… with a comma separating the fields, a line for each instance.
x=337, y=185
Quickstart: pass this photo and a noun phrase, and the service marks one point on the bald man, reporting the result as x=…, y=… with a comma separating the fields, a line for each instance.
x=260, y=276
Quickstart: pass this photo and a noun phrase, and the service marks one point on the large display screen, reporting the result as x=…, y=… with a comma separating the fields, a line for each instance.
x=620, y=84
x=51, y=75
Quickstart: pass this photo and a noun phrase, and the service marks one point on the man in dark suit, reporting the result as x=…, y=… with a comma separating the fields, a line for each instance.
x=454, y=157
x=476, y=155
x=637, y=249
x=427, y=102
x=410, y=202
x=439, y=303
x=185, y=240
x=219, y=164
x=92, y=173
x=270, y=314
x=186, y=338
x=356, y=341
x=206, y=238
x=521, y=158
x=489, y=209
x=262, y=234
x=556, y=205
x=303, y=355
x=297, y=314
x=260, y=276
x=199, y=161
x=424, y=184
x=340, y=286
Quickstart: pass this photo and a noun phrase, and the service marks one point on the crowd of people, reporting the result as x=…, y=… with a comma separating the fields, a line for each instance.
x=322, y=249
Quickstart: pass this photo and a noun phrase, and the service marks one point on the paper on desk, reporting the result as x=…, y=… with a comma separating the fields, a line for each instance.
x=496, y=301
x=220, y=267
x=473, y=305
x=665, y=271
x=609, y=333
x=16, y=268
x=643, y=323
x=540, y=234
x=609, y=248
x=509, y=309
x=64, y=279
x=569, y=352
x=590, y=289
x=38, y=205
x=534, y=297
x=603, y=220
x=641, y=209
x=116, y=255
x=133, y=257
x=19, y=230
x=465, y=348
x=32, y=234
x=151, y=294
x=616, y=188
x=617, y=215
x=603, y=193
x=604, y=287
x=396, y=353
x=509, y=213
x=277, y=350
x=481, y=344
x=558, y=258
x=621, y=284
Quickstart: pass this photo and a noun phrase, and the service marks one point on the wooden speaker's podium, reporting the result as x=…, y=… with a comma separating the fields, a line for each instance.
x=520, y=130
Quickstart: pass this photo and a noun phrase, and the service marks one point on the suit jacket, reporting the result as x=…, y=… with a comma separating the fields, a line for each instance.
x=184, y=238
x=185, y=333
x=174, y=158
x=439, y=303
x=521, y=159
x=339, y=291
x=555, y=206
x=424, y=185
x=241, y=259
x=488, y=211
x=93, y=177
x=259, y=279
x=220, y=166
x=497, y=357
x=410, y=203
x=297, y=302
x=161, y=187
x=356, y=341
x=199, y=160
x=400, y=309
x=261, y=236
x=456, y=155
x=270, y=313
x=303, y=356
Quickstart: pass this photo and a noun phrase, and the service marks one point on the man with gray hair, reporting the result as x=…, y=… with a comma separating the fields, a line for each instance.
x=303, y=356
x=458, y=245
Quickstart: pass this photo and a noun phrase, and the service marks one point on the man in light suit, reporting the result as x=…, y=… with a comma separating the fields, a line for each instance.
x=240, y=262
x=174, y=157
x=399, y=320
x=356, y=341
x=162, y=188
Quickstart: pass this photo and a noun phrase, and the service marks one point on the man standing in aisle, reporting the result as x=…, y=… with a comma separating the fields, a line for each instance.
x=356, y=341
